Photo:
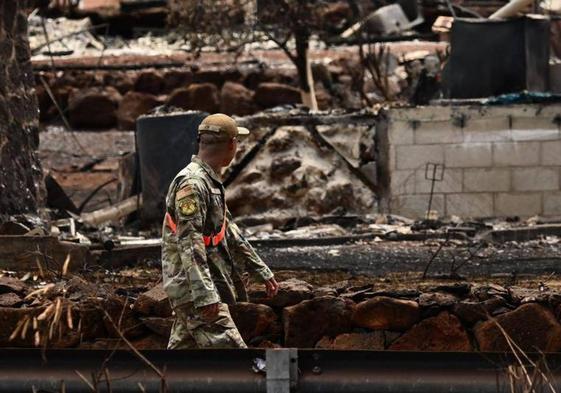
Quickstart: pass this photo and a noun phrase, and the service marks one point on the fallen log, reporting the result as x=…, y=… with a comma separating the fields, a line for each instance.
x=114, y=212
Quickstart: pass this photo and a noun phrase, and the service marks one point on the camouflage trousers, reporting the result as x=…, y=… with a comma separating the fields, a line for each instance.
x=190, y=330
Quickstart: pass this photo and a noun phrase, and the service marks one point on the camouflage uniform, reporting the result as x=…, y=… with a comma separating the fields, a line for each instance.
x=196, y=275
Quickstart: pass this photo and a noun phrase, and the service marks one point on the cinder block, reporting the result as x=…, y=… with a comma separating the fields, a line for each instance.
x=437, y=133
x=469, y=205
x=535, y=179
x=535, y=134
x=468, y=155
x=552, y=204
x=415, y=206
x=452, y=182
x=516, y=154
x=525, y=205
x=400, y=133
x=417, y=156
x=551, y=153
x=487, y=135
x=486, y=180
x=402, y=182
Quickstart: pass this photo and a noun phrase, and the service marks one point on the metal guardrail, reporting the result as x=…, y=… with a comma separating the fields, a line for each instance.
x=271, y=371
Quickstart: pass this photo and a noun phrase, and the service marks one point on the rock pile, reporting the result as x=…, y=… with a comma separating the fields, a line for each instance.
x=121, y=97
x=463, y=317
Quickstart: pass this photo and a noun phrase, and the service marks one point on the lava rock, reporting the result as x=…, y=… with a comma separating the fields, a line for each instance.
x=269, y=95
x=10, y=300
x=9, y=318
x=309, y=321
x=149, y=82
x=93, y=107
x=177, y=78
x=472, y=312
x=385, y=313
x=90, y=312
x=437, y=299
x=198, y=96
x=373, y=341
x=255, y=320
x=161, y=326
x=291, y=292
x=236, y=99
x=132, y=106
x=439, y=334
x=531, y=326
x=154, y=302
x=121, y=318
x=10, y=284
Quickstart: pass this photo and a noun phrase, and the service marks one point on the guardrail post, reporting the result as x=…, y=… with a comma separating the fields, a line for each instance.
x=282, y=370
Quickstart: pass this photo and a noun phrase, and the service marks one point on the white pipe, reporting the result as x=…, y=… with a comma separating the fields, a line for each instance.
x=511, y=9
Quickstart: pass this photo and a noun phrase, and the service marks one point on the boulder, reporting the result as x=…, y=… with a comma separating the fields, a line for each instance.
x=385, y=313
x=324, y=291
x=236, y=99
x=154, y=303
x=10, y=284
x=149, y=82
x=307, y=322
x=373, y=341
x=217, y=76
x=437, y=300
x=132, y=106
x=255, y=320
x=93, y=108
x=91, y=315
x=9, y=319
x=177, y=78
x=161, y=326
x=471, y=312
x=122, y=318
x=10, y=299
x=531, y=326
x=119, y=80
x=198, y=96
x=271, y=94
x=291, y=292
x=436, y=334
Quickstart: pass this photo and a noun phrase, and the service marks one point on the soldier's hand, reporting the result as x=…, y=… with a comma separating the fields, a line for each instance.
x=209, y=312
x=272, y=287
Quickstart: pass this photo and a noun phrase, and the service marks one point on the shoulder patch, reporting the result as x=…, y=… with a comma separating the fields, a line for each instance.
x=184, y=192
x=188, y=206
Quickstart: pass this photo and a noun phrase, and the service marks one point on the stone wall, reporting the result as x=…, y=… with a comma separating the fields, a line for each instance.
x=20, y=172
x=499, y=161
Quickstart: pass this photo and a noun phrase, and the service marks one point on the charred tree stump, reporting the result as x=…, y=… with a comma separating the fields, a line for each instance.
x=20, y=171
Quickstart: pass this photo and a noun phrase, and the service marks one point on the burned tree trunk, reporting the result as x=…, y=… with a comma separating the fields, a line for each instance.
x=304, y=68
x=20, y=172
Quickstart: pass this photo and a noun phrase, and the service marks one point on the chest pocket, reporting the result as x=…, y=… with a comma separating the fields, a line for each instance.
x=215, y=213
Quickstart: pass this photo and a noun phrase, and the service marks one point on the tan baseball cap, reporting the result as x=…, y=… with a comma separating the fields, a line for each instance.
x=220, y=123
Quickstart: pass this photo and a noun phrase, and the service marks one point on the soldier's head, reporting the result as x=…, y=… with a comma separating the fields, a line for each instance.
x=218, y=138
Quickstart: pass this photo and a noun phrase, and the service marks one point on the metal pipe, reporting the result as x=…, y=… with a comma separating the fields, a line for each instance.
x=225, y=371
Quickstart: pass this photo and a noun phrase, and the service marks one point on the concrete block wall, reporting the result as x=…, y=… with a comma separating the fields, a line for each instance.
x=499, y=160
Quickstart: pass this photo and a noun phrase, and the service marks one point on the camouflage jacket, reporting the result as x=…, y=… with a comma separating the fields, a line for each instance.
x=193, y=272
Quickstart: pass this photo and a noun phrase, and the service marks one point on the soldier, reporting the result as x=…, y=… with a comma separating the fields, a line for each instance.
x=203, y=251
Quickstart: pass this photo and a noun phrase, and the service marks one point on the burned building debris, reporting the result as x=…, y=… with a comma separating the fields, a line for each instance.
x=415, y=209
